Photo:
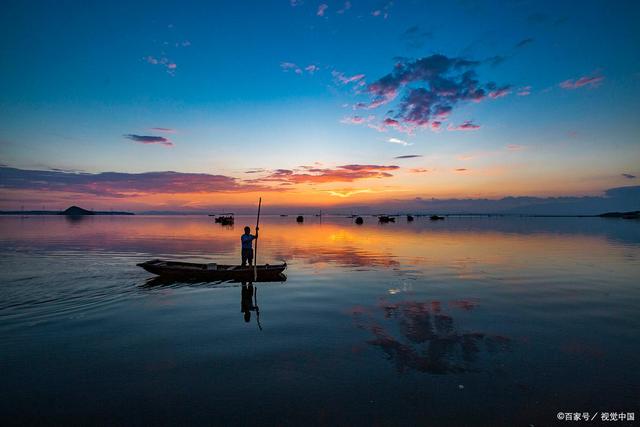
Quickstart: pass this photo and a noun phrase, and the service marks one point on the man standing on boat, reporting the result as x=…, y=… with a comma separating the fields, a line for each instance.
x=247, y=245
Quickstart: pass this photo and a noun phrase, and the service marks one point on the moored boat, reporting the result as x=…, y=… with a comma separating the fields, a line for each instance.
x=214, y=272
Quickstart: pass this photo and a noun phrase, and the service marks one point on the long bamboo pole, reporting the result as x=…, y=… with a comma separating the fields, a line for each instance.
x=255, y=253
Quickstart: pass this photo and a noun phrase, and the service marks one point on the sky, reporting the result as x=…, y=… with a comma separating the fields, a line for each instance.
x=317, y=104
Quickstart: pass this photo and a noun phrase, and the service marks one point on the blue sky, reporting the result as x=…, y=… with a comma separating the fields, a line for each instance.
x=257, y=85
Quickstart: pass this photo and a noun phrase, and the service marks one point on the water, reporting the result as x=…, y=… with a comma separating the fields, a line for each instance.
x=467, y=321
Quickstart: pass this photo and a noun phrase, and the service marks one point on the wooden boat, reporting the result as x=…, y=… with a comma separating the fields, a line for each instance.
x=385, y=219
x=214, y=272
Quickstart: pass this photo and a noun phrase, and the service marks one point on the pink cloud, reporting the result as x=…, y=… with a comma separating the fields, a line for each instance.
x=383, y=11
x=311, y=68
x=347, y=6
x=524, y=91
x=165, y=130
x=341, y=78
x=123, y=185
x=394, y=124
x=515, y=147
x=290, y=66
x=164, y=61
x=467, y=125
x=321, y=9
x=499, y=93
x=345, y=173
x=356, y=120
x=590, y=81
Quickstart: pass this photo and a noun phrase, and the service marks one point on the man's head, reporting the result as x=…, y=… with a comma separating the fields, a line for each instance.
x=247, y=230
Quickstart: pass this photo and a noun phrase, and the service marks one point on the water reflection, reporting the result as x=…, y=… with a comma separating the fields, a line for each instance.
x=420, y=336
x=249, y=302
x=168, y=281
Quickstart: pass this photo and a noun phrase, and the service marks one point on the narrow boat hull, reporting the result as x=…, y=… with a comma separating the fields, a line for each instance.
x=214, y=272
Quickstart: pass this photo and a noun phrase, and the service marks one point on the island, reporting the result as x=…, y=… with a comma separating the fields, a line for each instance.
x=625, y=215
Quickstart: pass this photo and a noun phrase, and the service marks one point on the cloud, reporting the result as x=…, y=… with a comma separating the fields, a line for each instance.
x=465, y=126
x=524, y=91
x=408, y=156
x=348, y=192
x=295, y=3
x=432, y=86
x=496, y=60
x=461, y=170
x=515, y=147
x=383, y=10
x=356, y=120
x=499, y=93
x=414, y=37
x=311, y=68
x=255, y=171
x=391, y=123
x=523, y=43
x=341, y=78
x=121, y=185
x=165, y=130
x=322, y=9
x=589, y=81
x=149, y=139
x=400, y=142
x=628, y=176
x=345, y=7
x=315, y=175
x=290, y=66
x=418, y=170
x=164, y=61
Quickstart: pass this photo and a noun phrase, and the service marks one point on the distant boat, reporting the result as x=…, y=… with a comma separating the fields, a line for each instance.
x=359, y=220
x=224, y=219
x=435, y=217
x=409, y=218
x=283, y=215
x=386, y=218
x=214, y=272
x=300, y=218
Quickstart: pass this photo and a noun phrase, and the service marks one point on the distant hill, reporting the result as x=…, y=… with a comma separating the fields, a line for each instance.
x=625, y=215
x=75, y=211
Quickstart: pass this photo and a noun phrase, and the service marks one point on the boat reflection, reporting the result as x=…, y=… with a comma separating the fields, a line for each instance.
x=420, y=336
x=167, y=281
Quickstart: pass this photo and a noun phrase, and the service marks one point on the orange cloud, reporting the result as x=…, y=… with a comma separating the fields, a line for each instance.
x=314, y=175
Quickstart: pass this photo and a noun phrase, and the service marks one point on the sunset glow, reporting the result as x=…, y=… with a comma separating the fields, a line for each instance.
x=315, y=105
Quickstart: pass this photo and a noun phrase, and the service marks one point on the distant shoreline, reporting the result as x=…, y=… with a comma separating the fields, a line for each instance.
x=628, y=215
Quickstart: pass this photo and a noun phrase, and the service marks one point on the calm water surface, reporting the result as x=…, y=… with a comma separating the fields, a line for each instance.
x=467, y=321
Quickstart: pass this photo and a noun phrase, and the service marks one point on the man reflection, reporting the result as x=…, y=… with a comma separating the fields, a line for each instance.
x=246, y=305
